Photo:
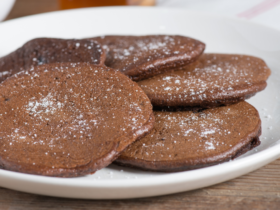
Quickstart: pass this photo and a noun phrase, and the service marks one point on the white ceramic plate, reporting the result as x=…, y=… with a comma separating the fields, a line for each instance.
x=5, y=7
x=221, y=34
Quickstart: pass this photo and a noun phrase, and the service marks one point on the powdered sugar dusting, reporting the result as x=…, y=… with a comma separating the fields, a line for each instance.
x=49, y=50
x=4, y=73
x=209, y=145
x=68, y=115
x=189, y=136
x=123, y=52
x=214, y=73
x=46, y=104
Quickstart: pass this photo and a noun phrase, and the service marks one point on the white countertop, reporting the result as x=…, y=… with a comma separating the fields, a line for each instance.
x=266, y=12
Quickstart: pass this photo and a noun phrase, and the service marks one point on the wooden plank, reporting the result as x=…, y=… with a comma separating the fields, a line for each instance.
x=252, y=191
x=31, y=7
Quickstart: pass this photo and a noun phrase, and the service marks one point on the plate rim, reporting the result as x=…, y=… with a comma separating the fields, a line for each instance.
x=271, y=152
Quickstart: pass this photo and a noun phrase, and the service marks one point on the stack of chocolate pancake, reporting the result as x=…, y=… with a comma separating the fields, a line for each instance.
x=69, y=107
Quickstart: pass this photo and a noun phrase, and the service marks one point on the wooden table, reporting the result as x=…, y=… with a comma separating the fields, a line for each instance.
x=257, y=190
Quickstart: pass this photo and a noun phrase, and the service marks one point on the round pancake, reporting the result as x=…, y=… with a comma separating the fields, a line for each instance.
x=47, y=50
x=213, y=80
x=187, y=140
x=68, y=119
x=141, y=57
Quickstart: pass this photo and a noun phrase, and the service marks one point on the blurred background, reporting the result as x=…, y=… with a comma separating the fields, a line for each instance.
x=266, y=12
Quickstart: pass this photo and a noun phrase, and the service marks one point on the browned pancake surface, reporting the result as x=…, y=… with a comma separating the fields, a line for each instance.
x=187, y=140
x=69, y=119
x=141, y=57
x=48, y=50
x=214, y=79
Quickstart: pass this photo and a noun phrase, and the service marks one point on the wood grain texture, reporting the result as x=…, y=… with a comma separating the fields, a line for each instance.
x=23, y=8
x=257, y=190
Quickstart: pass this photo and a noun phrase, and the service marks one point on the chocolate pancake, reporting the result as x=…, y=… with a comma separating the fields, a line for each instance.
x=213, y=80
x=141, y=57
x=187, y=140
x=46, y=50
x=69, y=119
